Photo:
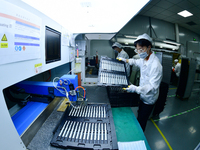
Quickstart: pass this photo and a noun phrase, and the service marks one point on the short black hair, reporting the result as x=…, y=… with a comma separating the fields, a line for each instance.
x=114, y=47
x=142, y=42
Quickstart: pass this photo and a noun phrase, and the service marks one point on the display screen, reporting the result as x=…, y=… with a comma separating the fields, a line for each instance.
x=52, y=45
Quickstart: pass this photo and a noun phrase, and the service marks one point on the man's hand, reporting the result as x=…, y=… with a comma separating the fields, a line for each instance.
x=121, y=59
x=131, y=88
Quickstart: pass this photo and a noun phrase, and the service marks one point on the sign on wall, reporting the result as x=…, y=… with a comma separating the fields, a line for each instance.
x=65, y=37
x=20, y=34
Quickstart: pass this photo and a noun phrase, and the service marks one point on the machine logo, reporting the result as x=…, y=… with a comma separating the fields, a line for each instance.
x=18, y=48
x=24, y=48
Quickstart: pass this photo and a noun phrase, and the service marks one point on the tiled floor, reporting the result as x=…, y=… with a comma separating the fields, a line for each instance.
x=180, y=125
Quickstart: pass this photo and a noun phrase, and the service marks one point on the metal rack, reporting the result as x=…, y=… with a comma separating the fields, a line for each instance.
x=83, y=132
x=90, y=126
x=112, y=73
x=89, y=112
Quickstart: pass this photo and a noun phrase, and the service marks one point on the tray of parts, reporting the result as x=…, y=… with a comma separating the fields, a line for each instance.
x=112, y=73
x=86, y=127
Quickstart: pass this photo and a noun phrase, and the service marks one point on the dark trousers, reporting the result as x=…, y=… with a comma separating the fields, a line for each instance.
x=144, y=113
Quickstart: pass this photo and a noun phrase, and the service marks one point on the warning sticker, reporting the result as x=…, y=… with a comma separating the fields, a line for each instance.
x=38, y=68
x=4, y=38
x=4, y=45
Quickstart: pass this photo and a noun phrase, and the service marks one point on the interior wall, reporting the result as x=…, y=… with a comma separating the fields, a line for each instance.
x=164, y=30
x=103, y=47
x=138, y=25
x=187, y=35
x=141, y=24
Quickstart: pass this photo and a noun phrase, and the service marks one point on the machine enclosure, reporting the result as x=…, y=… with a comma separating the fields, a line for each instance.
x=47, y=88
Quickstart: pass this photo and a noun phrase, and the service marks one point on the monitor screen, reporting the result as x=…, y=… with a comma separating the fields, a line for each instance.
x=52, y=45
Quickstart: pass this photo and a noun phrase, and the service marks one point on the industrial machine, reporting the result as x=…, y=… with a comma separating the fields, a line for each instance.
x=38, y=96
x=83, y=125
x=64, y=87
x=187, y=77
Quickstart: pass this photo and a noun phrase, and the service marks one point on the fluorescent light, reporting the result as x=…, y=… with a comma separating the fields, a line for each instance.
x=164, y=45
x=124, y=40
x=99, y=36
x=130, y=36
x=169, y=42
x=89, y=16
x=181, y=34
x=185, y=13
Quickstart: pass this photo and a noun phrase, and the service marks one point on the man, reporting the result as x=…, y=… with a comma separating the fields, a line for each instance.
x=121, y=53
x=177, y=68
x=150, y=77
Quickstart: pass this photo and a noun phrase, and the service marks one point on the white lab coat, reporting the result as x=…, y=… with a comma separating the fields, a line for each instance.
x=150, y=78
x=123, y=54
x=177, y=69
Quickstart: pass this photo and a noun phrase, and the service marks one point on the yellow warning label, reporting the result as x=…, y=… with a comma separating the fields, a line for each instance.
x=38, y=65
x=4, y=38
x=4, y=45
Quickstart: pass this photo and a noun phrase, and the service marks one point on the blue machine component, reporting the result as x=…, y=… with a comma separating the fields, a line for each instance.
x=48, y=89
x=65, y=81
x=27, y=115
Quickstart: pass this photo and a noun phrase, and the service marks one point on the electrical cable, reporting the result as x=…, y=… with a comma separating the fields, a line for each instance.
x=71, y=70
x=80, y=94
x=59, y=86
x=49, y=75
x=62, y=92
x=82, y=88
x=9, y=95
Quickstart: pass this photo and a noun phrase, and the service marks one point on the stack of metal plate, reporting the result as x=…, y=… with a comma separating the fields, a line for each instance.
x=89, y=127
x=112, y=73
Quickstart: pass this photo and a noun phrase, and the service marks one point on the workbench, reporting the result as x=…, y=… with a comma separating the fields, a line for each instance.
x=126, y=125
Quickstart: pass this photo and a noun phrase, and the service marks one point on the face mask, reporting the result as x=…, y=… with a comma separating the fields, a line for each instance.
x=116, y=51
x=143, y=55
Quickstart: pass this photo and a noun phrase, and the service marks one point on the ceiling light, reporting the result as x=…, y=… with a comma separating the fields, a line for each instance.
x=174, y=43
x=130, y=36
x=185, y=13
x=164, y=45
x=181, y=34
x=99, y=36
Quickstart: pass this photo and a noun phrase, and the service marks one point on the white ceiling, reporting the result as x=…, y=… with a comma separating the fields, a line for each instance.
x=167, y=10
x=89, y=16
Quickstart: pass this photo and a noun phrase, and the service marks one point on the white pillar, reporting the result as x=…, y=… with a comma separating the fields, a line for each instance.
x=177, y=33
